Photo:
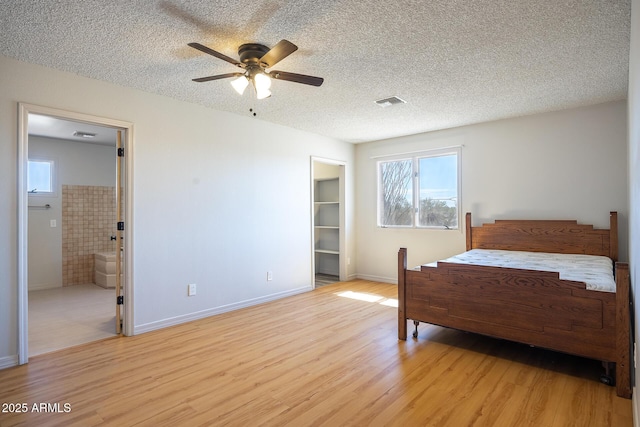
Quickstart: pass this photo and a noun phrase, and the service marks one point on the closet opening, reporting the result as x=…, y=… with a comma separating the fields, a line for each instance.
x=328, y=219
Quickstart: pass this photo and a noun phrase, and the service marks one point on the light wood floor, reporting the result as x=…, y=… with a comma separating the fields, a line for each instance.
x=327, y=357
x=70, y=315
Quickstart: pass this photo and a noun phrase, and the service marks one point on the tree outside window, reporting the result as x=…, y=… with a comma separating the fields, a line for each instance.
x=397, y=193
x=421, y=191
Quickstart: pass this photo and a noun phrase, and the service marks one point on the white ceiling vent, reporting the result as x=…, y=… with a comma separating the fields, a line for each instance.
x=81, y=134
x=388, y=102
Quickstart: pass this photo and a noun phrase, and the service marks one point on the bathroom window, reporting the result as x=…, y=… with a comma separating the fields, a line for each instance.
x=41, y=177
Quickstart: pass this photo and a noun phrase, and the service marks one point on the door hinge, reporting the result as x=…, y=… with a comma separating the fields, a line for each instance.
x=121, y=226
x=120, y=152
x=120, y=300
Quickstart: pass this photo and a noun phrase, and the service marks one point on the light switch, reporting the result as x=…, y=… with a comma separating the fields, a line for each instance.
x=52, y=223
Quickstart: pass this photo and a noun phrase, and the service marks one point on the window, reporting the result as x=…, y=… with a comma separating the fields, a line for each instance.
x=40, y=177
x=420, y=191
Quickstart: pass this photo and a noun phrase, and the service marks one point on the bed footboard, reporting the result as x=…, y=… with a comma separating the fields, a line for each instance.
x=402, y=301
x=623, y=330
x=531, y=307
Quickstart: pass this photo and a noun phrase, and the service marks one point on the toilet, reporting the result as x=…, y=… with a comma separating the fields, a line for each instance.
x=105, y=268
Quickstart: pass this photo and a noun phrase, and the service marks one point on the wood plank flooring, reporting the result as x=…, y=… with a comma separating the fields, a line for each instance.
x=327, y=357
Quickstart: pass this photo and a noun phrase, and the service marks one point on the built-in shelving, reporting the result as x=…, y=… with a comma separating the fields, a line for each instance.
x=327, y=225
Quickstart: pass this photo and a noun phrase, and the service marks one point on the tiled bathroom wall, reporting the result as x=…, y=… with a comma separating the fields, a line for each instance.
x=88, y=222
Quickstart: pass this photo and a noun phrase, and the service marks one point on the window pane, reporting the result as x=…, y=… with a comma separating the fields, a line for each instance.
x=438, y=177
x=39, y=176
x=397, y=193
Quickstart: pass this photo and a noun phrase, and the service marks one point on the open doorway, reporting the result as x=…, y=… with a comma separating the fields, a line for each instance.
x=328, y=219
x=70, y=246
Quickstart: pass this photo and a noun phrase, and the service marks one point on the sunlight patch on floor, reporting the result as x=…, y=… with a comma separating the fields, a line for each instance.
x=361, y=296
x=390, y=302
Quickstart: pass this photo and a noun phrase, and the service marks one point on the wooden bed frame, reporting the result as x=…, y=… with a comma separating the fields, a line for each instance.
x=531, y=307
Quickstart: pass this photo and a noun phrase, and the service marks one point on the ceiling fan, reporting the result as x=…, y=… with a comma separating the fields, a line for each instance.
x=255, y=59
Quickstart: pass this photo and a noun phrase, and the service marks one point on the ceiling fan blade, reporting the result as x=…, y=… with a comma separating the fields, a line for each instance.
x=219, y=55
x=297, y=78
x=277, y=53
x=217, y=77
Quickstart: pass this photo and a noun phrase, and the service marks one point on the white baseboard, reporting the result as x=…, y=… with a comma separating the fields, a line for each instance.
x=160, y=324
x=392, y=280
x=8, y=361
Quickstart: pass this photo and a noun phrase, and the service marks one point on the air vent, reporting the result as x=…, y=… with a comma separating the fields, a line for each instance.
x=81, y=134
x=388, y=102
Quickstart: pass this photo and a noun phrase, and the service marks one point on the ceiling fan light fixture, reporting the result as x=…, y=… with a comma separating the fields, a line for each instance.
x=254, y=60
x=263, y=93
x=240, y=84
x=262, y=83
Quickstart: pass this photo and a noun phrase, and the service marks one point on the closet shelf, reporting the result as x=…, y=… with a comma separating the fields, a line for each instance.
x=326, y=223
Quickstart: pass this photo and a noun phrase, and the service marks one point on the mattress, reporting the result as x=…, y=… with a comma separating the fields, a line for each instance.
x=595, y=271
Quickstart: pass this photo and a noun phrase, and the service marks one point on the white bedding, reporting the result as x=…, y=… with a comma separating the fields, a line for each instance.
x=595, y=271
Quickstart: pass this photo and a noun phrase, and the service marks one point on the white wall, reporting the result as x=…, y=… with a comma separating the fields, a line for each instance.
x=634, y=176
x=563, y=165
x=219, y=199
x=76, y=163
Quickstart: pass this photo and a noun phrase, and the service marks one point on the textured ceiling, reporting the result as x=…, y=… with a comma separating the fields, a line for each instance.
x=454, y=62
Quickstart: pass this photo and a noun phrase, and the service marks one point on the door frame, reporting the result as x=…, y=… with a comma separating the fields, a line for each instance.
x=342, y=236
x=24, y=110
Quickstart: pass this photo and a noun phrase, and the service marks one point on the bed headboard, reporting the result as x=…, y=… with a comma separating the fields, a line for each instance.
x=567, y=237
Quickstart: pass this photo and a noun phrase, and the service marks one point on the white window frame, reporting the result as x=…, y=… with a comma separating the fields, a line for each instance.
x=415, y=157
x=53, y=177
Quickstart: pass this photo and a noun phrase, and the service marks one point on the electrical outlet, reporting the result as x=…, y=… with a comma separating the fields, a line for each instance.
x=191, y=289
x=269, y=275
x=52, y=223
